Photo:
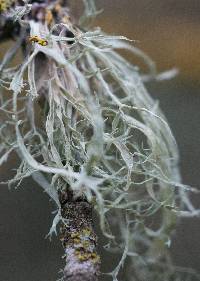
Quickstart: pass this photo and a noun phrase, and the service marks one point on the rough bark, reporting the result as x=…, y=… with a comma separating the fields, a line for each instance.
x=79, y=241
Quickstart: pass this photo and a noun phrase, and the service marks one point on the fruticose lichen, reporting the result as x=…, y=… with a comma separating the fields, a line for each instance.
x=78, y=115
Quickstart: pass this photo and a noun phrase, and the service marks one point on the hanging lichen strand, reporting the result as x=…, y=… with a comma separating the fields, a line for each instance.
x=81, y=121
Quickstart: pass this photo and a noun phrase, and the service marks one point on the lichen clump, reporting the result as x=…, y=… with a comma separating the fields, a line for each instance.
x=84, y=249
x=82, y=242
x=78, y=115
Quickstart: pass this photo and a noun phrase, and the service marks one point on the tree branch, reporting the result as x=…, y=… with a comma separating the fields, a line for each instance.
x=79, y=240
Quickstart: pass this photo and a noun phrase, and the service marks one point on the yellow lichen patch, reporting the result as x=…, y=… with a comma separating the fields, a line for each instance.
x=5, y=5
x=84, y=249
x=77, y=241
x=77, y=252
x=86, y=244
x=82, y=257
x=86, y=232
x=95, y=257
x=85, y=256
x=75, y=235
x=40, y=41
x=88, y=256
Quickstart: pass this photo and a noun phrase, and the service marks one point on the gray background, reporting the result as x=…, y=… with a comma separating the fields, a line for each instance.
x=168, y=30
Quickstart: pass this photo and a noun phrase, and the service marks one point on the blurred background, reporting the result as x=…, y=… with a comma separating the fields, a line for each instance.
x=169, y=31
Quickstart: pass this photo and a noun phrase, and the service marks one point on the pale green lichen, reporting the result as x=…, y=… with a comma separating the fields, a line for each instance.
x=101, y=119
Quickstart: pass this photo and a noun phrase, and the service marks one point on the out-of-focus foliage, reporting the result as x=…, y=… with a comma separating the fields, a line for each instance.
x=99, y=133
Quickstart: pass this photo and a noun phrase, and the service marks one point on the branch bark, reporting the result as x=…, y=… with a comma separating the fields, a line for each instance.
x=79, y=240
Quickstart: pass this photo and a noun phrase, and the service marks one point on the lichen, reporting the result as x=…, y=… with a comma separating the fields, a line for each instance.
x=101, y=135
